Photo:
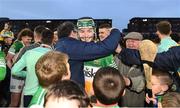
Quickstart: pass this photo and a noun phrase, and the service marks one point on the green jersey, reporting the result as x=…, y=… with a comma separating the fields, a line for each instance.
x=6, y=33
x=91, y=67
x=15, y=47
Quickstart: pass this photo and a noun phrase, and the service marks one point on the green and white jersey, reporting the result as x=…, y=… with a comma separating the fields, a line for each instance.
x=6, y=33
x=15, y=47
x=91, y=67
x=2, y=66
x=38, y=98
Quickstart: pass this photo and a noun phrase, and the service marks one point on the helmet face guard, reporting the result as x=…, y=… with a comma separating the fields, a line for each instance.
x=85, y=23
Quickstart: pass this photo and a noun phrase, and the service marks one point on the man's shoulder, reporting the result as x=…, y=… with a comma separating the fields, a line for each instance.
x=67, y=41
x=32, y=50
x=32, y=46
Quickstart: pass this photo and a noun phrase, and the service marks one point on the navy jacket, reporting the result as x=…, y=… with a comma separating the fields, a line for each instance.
x=79, y=52
x=169, y=61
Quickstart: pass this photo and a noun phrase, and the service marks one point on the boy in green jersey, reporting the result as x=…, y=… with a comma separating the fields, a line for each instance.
x=50, y=69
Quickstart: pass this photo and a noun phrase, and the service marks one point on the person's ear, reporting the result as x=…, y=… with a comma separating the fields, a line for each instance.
x=170, y=32
x=164, y=88
x=65, y=77
x=124, y=92
x=157, y=32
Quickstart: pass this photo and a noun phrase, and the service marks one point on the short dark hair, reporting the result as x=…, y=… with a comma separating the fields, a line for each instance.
x=164, y=27
x=108, y=85
x=39, y=29
x=68, y=89
x=105, y=25
x=65, y=29
x=25, y=32
x=47, y=36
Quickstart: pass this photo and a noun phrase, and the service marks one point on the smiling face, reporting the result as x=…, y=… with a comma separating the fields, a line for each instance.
x=86, y=29
x=86, y=34
x=132, y=43
x=26, y=40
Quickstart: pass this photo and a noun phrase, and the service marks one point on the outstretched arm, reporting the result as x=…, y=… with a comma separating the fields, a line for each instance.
x=78, y=50
x=130, y=57
x=169, y=61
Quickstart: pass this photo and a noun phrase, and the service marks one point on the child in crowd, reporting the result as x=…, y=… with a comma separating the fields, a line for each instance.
x=161, y=83
x=66, y=94
x=108, y=85
x=50, y=68
x=171, y=99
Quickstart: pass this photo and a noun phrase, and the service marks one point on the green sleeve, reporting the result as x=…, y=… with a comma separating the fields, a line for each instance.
x=17, y=69
x=2, y=73
x=2, y=66
x=15, y=47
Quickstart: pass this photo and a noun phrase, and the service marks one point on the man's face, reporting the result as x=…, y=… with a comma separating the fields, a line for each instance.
x=26, y=40
x=132, y=43
x=86, y=34
x=103, y=33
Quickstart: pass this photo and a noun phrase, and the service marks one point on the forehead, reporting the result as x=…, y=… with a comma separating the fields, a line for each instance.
x=27, y=37
x=155, y=79
x=62, y=103
x=129, y=39
x=103, y=29
x=6, y=25
x=85, y=29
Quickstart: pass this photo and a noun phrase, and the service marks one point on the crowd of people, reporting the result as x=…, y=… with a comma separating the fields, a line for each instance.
x=76, y=66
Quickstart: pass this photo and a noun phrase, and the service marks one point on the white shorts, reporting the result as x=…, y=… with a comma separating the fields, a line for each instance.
x=16, y=84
